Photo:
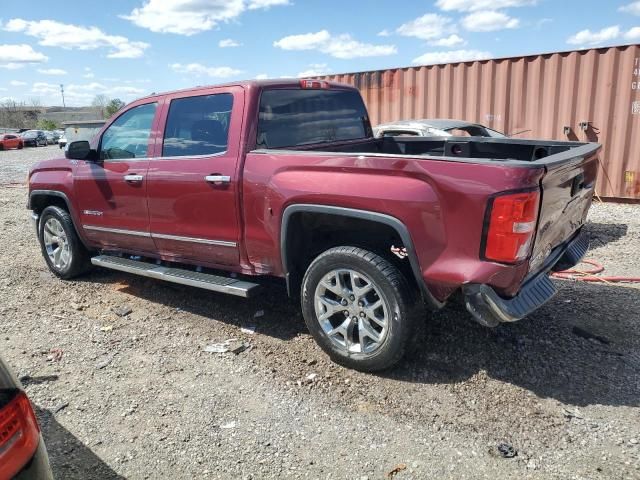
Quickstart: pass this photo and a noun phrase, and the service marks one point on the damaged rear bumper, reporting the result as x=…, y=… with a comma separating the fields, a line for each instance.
x=490, y=309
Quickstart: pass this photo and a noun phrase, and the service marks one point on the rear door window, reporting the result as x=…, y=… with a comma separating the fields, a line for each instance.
x=290, y=118
x=197, y=125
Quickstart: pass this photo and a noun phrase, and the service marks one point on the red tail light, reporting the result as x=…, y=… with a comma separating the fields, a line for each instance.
x=19, y=435
x=511, y=226
x=314, y=84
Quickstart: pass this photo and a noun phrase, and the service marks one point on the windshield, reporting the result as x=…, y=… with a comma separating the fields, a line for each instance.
x=290, y=118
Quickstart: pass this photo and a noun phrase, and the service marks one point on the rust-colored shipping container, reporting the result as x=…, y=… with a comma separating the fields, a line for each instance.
x=585, y=95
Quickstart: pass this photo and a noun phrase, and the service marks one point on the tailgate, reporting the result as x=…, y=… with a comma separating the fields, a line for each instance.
x=567, y=189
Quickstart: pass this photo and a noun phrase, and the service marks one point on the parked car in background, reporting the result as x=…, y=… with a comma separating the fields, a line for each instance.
x=34, y=138
x=10, y=140
x=284, y=178
x=23, y=455
x=62, y=141
x=435, y=128
x=51, y=138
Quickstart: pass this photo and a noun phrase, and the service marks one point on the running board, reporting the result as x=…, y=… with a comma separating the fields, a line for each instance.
x=207, y=281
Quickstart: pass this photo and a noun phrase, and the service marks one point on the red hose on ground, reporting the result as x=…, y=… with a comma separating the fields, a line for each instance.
x=590, y=274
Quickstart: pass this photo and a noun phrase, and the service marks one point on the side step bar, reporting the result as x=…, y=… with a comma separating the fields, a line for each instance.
x=207, y=281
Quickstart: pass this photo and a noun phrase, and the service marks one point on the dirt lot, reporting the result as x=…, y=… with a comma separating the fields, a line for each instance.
x=138, y=397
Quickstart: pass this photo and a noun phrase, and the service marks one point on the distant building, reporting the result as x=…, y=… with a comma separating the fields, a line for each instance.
x=82, y=129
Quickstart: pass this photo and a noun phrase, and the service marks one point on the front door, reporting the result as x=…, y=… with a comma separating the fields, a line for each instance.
x=192, y=184
x=111, y=191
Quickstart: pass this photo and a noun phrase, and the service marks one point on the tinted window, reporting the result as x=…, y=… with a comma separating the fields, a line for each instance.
x=197, y=125
x=128, y=135
x=289, y=118
x=399, y=133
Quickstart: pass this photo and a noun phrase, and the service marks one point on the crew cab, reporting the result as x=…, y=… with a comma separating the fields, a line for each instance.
x=225, y=186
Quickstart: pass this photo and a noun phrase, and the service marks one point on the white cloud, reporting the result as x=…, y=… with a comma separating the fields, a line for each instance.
x=83, y=93
x=315, y=70
x=452, y=56
x=476, y=5
x=633, y=35
x=341, y=46
x=489, y=21
x=305, y=41
x=188, y=17
x=256, y=4
x=633, y=8
x=89, y=75
x=384, y=33
x=16, y=56
x=587, y=37
x=17, y=83
x=262, y=76
x=542, y=22
x=52, y=71
x=228, y=42
x=198, y=69
x=427, y=27
x=51, y=33
x=452, y=40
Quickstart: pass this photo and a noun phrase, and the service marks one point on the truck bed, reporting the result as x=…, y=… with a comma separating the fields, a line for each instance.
x=469, y=149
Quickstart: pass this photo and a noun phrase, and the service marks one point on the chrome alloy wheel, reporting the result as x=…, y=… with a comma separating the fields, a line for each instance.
x=56, y=244
x=352, y=311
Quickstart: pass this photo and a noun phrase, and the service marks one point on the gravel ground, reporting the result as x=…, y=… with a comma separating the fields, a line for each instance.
x=138, y=397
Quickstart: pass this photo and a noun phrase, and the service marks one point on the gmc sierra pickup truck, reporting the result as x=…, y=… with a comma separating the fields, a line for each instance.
x=216, y=187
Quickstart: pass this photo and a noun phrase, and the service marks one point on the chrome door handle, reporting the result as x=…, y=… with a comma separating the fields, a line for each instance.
x=133, y=178
x=218, y=179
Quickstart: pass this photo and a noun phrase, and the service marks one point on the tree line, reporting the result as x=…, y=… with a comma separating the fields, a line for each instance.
x=15, y=114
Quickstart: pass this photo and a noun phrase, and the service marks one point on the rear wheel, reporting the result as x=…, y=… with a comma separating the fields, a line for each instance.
x=63, y=251
x=358, y=307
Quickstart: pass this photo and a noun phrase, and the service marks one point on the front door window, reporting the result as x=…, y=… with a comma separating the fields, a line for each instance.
x=128, y=135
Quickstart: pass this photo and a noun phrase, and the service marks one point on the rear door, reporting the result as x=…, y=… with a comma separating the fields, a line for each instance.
x=193, y=182
x=567, y=191
x=111, y=192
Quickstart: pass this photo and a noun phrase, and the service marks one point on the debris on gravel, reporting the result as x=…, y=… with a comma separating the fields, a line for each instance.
x=145, y=398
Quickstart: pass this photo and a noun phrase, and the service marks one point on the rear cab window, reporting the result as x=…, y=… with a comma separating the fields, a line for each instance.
x=291, y=117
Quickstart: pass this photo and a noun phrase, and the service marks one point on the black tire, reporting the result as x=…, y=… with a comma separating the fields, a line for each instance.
x=80, y=259
x=392, y=286
x=20, y=145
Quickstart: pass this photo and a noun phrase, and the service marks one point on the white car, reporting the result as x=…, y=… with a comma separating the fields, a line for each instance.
x=62, y=141
x=434, y=128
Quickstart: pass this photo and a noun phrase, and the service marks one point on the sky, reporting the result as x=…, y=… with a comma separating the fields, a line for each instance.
x=129, y=48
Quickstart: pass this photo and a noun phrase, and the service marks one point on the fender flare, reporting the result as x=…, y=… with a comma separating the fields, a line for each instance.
x=393, y=222
x=63, y=196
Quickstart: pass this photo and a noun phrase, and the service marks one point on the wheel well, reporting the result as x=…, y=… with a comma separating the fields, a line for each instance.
x=39, y=202
x=308, y=234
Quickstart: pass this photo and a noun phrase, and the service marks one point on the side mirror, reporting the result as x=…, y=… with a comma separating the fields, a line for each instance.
x=79, y=150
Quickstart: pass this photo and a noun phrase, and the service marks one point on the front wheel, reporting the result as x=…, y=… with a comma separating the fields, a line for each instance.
x=63, y=251
x=358, y=307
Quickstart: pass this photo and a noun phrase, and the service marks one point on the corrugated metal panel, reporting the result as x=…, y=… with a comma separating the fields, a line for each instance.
x=542, y=94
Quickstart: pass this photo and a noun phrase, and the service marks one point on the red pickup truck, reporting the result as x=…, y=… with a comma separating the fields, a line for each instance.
x=216, y=187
